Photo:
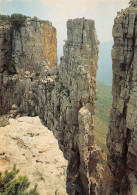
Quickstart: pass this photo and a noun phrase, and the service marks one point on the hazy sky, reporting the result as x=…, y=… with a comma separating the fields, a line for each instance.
x=59, y=11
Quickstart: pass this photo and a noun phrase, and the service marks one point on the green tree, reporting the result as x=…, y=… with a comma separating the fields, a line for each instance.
x=17, y=20
x=4, y=18
x=12, y=185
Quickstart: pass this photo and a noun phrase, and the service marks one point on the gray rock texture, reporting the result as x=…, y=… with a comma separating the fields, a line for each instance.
x=121, y=142
x=63, y=97
x=34, y=149
x=133, y=2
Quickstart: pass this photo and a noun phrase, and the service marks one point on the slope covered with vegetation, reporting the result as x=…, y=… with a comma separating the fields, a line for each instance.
x=103, y=106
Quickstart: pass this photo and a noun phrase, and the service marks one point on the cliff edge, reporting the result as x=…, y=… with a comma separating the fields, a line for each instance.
x=62, y=96
x=121, y=142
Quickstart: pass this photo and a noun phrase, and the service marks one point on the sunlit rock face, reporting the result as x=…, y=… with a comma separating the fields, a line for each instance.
x=34, y=149
x=28, y=48
x=122, y=136
x=25, y=52
x=62, y=96
x=34, y=46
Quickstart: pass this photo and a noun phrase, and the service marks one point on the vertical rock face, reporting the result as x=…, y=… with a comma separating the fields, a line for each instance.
x=65, y=101
x=5, y=46
x=122, y=136
x=32, y=47
x=78, y=76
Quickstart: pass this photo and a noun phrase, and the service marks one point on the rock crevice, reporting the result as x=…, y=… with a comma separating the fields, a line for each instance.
x=63, y=97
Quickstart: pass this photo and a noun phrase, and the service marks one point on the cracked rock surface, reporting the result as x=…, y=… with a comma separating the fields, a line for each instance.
x=30, y=48
x=121, y=142
x=64, y=99
x=34, y=149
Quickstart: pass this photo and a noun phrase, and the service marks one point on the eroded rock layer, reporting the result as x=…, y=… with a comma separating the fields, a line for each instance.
x=64, y=98
x=121, y=143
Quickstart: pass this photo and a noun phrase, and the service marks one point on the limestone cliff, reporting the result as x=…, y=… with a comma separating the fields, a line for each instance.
x=121, y=143
x=63, y=97
x=32, y=47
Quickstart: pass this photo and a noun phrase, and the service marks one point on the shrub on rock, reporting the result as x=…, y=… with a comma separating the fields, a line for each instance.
x=17, y=20
x=12, y=185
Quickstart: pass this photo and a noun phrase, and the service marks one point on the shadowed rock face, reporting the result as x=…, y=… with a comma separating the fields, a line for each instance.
x=63, y=97
x=121, y=143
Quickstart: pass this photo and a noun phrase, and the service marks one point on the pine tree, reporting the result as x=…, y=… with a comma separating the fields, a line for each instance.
x=12, y=185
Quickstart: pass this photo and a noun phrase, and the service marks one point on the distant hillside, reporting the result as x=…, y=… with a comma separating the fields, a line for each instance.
x=103, y=106
x=104, y=73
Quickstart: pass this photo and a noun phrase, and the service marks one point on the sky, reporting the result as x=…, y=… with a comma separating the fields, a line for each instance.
x=59, y=11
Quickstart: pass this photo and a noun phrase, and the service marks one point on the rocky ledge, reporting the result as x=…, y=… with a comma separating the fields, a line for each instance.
x=34, y=149
x=62, y=96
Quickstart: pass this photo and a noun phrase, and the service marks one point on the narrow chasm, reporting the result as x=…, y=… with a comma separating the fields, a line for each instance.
x=64, y=100
x=63, y=97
